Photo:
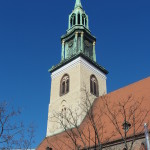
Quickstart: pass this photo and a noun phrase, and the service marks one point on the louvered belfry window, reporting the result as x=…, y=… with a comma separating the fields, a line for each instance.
x=94, y=86
x=64, y=85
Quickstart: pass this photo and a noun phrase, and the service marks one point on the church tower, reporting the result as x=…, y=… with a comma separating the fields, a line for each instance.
x=77, y=69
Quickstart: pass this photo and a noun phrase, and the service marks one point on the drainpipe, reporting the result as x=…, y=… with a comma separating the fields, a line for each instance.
x=147, y=136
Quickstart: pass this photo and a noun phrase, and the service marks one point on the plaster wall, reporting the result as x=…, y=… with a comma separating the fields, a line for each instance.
x=79, y=72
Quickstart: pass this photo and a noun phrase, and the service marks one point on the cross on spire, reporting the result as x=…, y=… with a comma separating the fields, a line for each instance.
x=78, y=4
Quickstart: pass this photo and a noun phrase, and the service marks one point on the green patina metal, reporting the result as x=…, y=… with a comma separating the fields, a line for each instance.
x=78, y=38
x=62, y=63
x=78, y=41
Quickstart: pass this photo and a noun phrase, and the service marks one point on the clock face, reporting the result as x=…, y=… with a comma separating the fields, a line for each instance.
x=70, y=48
x=87, y=44
x=88, y=48
x=70, y=44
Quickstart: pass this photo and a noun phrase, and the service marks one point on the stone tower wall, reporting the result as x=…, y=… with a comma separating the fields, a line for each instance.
x=79, y=72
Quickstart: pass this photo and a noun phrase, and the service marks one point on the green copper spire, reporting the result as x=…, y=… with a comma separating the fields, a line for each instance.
x=78, y=39
x=78, y=17
x=78, y=4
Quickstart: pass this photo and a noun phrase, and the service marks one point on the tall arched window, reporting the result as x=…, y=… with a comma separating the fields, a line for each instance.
x=64, y=85
x=94, y=86
x=63, y=113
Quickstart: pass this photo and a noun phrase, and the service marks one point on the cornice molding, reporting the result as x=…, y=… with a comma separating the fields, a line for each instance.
x=74, y=63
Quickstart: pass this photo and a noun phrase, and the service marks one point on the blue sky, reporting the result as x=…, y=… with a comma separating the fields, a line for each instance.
x=30, y=33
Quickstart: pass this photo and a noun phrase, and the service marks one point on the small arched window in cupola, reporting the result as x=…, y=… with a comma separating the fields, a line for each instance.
x=94, y=85
x=83, y=18
x=64, y=85
x=71, y=22
x=74, y=20
x=85, y=22
x=79, y=18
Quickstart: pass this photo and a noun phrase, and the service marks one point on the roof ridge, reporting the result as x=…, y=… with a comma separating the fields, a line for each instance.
x=129, y=85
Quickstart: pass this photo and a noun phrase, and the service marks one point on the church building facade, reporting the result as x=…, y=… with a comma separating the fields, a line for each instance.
x=81, y=115
x=77, y=70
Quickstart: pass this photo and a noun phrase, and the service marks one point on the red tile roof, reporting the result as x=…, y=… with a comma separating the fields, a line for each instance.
x=134, y=93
